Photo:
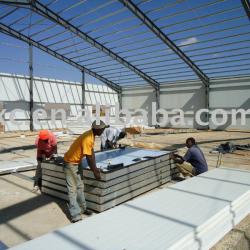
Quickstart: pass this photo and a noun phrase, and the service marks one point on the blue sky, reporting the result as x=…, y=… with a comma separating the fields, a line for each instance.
x=195, y=26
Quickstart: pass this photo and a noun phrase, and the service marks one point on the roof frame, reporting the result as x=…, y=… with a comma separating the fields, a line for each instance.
x=46, y=12
x=15, y=2
x=246, y=5
x=9, y=31
x=152, y=26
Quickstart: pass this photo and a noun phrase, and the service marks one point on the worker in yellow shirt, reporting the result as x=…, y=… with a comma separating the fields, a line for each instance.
x=82, y=147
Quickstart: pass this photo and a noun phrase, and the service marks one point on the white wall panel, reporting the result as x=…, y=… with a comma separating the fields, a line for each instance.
x=231, y=93
x=14, y=93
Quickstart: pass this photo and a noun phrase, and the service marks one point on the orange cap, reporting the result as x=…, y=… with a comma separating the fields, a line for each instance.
x=44, y=134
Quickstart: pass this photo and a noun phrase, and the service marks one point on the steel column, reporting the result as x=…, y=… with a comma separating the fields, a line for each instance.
x=120, y=99
x=31, y=85
x=207, y=104
x=157, y=98
x=83, y=89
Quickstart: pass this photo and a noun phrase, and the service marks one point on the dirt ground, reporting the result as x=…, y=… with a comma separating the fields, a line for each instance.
x=25, y=215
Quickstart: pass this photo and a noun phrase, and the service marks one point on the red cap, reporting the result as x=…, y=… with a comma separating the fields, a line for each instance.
x=44, y=134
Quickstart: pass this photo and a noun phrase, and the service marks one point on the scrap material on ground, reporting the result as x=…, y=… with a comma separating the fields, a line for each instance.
x=17, y=165
x=194, y=214
x=125, y=173
x=17, y=150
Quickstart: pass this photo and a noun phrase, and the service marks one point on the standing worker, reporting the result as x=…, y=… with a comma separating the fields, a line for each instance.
x=46, y=147
x=110, y=137
x=82, y=147
x=193, y=162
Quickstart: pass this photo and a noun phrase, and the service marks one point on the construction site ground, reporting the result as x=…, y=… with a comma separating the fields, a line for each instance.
x=25, y=215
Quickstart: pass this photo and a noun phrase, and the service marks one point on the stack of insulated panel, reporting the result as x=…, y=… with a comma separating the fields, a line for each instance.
x=134, y=171
x=192, y=214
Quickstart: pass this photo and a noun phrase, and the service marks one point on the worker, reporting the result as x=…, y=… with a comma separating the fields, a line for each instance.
x=46, y=144
x=110, y=137
x=194, y=162
x=82, y=147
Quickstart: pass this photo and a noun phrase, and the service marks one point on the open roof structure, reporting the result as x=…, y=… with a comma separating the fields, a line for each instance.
x=135, y=43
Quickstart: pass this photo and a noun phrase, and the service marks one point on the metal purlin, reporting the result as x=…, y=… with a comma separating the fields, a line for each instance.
x=44, y=11
x=151, y=25
x=7, y=30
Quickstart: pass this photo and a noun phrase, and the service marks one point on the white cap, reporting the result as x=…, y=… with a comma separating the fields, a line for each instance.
x=101, y=125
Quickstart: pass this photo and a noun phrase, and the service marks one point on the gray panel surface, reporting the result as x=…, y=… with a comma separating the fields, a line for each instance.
x=193, y=214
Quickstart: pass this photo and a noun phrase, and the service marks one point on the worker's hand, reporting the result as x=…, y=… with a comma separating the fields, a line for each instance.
x=52, y=157
x=172, y=156
x=97, y=174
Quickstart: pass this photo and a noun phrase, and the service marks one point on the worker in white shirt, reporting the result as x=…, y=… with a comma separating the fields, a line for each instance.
x=110, y=136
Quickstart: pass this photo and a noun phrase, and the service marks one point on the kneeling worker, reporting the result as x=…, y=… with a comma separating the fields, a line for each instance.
x=46, y=147
x=82, y=147
x=110, y=137
x=194, y=162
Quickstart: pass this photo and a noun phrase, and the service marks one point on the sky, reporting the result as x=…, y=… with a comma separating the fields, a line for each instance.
x=214, y=34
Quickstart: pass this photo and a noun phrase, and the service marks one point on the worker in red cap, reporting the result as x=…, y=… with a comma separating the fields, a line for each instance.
x=46, y=147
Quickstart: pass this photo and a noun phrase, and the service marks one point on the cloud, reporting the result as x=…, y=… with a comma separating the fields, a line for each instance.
x=189, y=41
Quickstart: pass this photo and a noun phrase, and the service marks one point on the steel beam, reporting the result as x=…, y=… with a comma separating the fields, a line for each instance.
x=8, y=13
x=31, y=78
x=7, y=30
x=246, y=5
x=46, y=12
x=16, y=2
x=151, y=25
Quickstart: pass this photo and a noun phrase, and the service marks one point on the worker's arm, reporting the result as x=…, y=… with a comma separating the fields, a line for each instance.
x=54, y=149
x=110, y=144
x=177, y=158
x=92, y=164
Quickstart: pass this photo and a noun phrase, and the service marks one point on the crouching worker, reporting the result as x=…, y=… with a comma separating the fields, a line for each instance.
x=82, y=147
x=193, y=163
x=110, y=137
x=46, y=147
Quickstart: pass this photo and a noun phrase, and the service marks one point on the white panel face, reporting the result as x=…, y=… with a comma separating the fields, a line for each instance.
x=75, y=110
x=231, y=98
x=14, y=93
x=89, y=87
x=56, y=93
x=228, y=95
x=13, y=127
x=40, y=94
x=14, y=89
x=225, y=94
x=76, y=94
x=192, y=214
x=138, y=99
x=191, y=97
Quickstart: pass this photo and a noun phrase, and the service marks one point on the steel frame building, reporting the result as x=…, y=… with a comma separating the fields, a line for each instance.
x=129, y=43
